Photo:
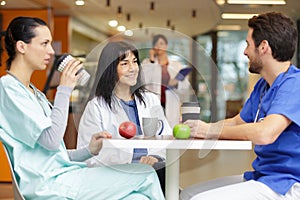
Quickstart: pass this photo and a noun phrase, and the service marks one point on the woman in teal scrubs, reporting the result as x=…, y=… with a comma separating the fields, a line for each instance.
x=32, y=129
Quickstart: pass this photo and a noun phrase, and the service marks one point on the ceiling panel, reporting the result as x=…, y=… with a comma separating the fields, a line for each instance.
x=95, y=14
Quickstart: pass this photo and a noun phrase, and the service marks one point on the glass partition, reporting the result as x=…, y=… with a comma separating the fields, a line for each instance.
x=229, y=81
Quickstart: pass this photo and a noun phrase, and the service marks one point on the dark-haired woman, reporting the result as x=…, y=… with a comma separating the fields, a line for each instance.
x=120, y=96
x=160, y=78
x=32, y=129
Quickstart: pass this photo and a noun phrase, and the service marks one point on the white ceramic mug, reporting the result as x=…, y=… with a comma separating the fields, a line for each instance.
x=152, y=126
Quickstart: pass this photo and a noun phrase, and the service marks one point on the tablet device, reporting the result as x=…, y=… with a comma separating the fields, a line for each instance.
x=183, y=72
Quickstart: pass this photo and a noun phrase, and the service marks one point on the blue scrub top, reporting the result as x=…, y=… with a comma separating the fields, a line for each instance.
x=277, y=164
x=131, y=110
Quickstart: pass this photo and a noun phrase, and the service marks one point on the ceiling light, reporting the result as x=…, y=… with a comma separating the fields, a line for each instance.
x=113, y=23
x=128, y=33
x=223, y=34
x=121, y=28
x=228, y=27
x=3, y=3
x=79, y=2
x=266, y=2
x=220, y=2
x=237, y=16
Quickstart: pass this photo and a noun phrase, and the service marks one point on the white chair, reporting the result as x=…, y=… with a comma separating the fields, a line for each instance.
x=17, y=193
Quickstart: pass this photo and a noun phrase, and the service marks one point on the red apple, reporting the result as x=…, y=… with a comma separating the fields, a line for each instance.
x=127, y=129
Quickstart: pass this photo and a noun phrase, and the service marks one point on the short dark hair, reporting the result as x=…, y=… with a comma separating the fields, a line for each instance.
x=279, y=30
x=157, y=37
x=20, y=29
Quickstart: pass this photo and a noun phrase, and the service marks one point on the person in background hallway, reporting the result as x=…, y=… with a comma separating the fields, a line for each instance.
x=160, y=76
x=270, y=119
x=119, y=95
x=32, y=129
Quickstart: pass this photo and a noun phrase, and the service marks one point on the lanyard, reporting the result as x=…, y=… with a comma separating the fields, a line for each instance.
x=262, y=95
x=260, y=102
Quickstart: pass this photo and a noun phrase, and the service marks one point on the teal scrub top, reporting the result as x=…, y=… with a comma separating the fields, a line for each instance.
x=23, y=117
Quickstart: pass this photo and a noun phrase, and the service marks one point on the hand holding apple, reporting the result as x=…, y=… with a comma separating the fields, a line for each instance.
x=181, y=131
x=127, y=129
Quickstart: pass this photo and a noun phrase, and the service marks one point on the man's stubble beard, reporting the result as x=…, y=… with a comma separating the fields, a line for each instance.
x=256, y=64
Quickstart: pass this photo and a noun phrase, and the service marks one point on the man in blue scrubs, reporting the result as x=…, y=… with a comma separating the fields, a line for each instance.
x=270, y=118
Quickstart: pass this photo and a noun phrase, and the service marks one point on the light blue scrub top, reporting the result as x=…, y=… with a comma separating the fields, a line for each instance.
x=31, y=161
x=277, y=164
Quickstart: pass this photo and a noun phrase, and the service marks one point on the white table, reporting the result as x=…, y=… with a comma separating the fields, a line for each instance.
x=173, y=147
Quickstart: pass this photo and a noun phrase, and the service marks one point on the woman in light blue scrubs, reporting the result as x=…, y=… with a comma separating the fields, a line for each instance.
x=32, y=129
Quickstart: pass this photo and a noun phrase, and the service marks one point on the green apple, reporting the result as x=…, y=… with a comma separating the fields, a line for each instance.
x=181, y=131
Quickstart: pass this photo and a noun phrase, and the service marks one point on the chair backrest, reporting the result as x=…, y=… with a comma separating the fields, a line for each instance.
x=17, y=193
